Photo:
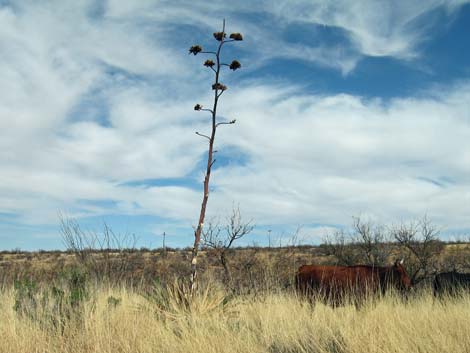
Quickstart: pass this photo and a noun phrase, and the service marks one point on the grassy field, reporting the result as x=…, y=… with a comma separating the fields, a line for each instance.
x=126, y=302
x=215, y=322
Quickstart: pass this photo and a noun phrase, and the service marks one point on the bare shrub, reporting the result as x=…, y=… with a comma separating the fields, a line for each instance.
x=106, y=254
x=221, y=238
x=420, y=240
x=340, y=246
x=367, y=244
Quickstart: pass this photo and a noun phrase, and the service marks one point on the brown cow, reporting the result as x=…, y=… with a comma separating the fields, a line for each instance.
x=336, y=283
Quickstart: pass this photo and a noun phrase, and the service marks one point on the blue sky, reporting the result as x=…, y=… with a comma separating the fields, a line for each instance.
x=344, y=108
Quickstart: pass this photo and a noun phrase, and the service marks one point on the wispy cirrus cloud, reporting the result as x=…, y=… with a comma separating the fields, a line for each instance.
x=377, y=28
x=369, y=28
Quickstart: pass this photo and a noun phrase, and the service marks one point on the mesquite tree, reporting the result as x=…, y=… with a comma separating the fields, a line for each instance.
x=221, y=238
x=218, y=89
x=421, y=239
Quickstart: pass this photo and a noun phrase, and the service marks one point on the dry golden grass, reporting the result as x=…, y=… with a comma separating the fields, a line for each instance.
x=275, y=322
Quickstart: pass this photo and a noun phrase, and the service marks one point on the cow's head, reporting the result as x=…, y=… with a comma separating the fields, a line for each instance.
x=400, y=277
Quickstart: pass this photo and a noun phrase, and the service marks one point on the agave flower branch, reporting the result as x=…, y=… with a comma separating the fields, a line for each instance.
x=198, y=107
x=226, y=122
x=218, y=88
x=202, y=135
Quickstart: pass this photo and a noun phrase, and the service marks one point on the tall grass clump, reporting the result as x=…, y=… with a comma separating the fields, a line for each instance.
x=177, y=301
x=164, y=320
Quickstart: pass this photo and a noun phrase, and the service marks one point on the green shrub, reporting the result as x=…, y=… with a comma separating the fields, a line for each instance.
x=25, y=297
x=56, y=305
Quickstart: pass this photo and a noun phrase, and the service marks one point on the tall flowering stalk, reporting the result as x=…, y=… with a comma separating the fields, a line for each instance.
x=218, y=88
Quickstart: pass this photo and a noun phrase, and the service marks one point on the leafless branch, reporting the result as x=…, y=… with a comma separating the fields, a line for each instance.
x=236, y=229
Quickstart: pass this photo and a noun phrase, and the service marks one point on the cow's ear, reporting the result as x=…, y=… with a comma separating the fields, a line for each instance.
x=398, y=262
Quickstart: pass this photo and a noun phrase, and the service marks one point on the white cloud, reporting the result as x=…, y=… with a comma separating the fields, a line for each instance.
x=311, y=158
x=323, y=159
